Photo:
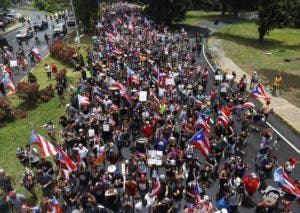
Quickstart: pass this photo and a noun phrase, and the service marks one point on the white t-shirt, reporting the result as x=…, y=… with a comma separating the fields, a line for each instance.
x=139, y=208
x=82, y=152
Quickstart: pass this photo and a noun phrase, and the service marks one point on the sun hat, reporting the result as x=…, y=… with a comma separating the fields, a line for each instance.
x=111, y=169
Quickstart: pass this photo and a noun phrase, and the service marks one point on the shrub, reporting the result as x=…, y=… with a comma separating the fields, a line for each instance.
x=47, y=93
x=6, y=110
x=29, y=92
x=62, y=52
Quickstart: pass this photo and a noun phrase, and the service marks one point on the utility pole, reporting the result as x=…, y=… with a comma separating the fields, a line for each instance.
x=76, y=26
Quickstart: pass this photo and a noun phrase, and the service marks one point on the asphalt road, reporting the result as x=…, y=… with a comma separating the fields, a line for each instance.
x=41, y=44
x=285, y=151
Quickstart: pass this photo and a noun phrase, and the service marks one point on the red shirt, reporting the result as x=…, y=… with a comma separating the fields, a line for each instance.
x=131, y=187
x=148, y=131
x=54, y=68
x=251, y=184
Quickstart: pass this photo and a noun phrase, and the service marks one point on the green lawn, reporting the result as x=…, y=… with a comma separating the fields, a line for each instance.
x=17, y=133
x=240, y=43
x=195, y=17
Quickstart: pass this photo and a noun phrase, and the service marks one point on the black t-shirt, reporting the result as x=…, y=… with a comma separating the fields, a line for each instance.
x=46, y=166
x=84, y=177
x=60, y=90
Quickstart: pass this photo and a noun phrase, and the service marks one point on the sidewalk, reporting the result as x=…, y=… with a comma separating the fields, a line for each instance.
x=283, y=108
x=11, y=28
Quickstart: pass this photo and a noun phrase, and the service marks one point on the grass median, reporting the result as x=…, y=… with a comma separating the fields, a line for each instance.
x=17, y=133
x=278, y=54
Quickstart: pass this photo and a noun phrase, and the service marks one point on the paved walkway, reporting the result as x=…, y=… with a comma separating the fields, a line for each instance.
x=283, y=108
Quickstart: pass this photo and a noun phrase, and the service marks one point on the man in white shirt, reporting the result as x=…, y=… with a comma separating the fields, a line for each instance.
x=82, y=151
x=143, y=207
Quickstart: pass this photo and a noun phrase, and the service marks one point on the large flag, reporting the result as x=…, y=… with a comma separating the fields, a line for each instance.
x=47, y=148
x=156, y=185
x=101, y=158
x=132, y=76
x=286, y=183
x=83, y=100
x=66, y=160
x=200, y=141
x=9, y=83
x=258, y=91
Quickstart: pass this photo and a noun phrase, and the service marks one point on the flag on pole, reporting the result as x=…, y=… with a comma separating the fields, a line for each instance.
x=200, y=141
x=285, y=182
x=9, y=83
x=66, y=160
x=101, y=158
x=223, y=118
x=47, y=148
x=258, y=91
x=156, y=185
x=83, y=100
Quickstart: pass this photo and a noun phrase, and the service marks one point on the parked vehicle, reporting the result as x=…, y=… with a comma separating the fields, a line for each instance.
x=71, y=22
x=25, y=34
x=43, y=25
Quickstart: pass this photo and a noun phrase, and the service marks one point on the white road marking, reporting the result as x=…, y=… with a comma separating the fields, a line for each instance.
x=275, y=130
x=284, y=138
x=203, y=51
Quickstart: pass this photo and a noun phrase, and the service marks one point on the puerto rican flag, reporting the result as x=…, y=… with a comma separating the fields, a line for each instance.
x=223, y=118
x=66, y=160
x=156, y=185
x=259, y=92
x=132, y=76
x=286, y=183
x=54, y=206
x=245, y=105
x=202, y=123
x=200, y=141
x=123, y=90
x=47, y=148
x=9, y=83
x=83, y=100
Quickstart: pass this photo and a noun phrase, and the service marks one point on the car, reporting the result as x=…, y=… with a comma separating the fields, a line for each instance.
x=43, y=25
x=25, y=34
x=71, y=22
x=60, y=28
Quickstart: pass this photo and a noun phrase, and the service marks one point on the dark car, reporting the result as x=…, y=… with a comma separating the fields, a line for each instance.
x=41, y=26
x=71, y=22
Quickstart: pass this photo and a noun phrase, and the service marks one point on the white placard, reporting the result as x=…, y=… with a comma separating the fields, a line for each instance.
x=13, y=63
x=91, y=133
x=143, y=96
x=218, y=77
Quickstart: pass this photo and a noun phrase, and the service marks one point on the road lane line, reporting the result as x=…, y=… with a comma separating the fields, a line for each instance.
x=211, y=67
x=275, y=130
x=284, y=138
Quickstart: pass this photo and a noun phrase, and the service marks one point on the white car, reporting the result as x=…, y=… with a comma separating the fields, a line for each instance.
x=25, y=34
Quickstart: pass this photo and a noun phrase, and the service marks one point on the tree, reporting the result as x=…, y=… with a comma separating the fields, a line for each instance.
x=271, y=14
x=4, y=4
x=167, y=11
x=86, y=11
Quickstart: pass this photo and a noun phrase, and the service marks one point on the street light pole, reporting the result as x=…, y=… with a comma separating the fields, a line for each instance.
x=76, y=26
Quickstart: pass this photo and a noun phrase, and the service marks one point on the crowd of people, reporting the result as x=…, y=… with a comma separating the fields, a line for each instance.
x=149, y=130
